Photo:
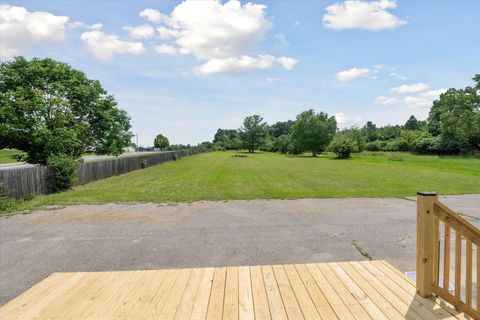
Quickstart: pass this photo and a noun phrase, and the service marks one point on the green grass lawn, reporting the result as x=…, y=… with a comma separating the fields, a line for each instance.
x=219, y=176
x=6, y=155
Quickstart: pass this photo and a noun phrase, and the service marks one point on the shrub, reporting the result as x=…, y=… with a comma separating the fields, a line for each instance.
x=144, y=163
x=62, y=169
x=373, y=146
x=5, y=203
x=294, y=149
x=393, y=145
x=218, y=147
x=343, y=146
x=281, y=143
x=427, y=145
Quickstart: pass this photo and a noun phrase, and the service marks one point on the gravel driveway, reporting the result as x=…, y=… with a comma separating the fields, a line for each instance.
x=151, y=236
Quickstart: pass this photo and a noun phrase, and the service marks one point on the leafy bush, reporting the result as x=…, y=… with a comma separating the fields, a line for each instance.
x=268, y=145
x=427, y=145
x=294, y=149
x=5, y=203
x=62, y=169
x=144, y=163
x=356, y=135
x=281, y=143
x=393, y=145
x=218, y=147
x=373, y=146
x=343, y=146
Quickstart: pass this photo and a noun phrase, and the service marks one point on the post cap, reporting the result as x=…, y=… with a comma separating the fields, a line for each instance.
x=427, y=193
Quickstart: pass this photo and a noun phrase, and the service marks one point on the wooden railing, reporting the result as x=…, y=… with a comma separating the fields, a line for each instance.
x=437, y=227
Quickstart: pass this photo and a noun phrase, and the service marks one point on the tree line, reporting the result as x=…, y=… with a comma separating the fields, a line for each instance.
x=55, y=114
x=452, y=127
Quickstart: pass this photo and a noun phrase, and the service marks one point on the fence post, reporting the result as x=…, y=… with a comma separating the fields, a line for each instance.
x=425, y=243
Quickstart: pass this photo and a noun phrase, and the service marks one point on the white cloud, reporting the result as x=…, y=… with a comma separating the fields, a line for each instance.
x=95, y=26
x=271, y=79
x=341, y=118
x=165, y=33
x=296, y=23
x=79, y=24
x=19, y=28
x=225, y=35
x=432, y=94
x=417, y=102
x=424, y=99
x=397, y=75
x=212, y=30
x=352, y=73
x=411, y=88
x=166, y=49
x=105, y=46
x=141, y=32
x=241, y=64
x=152, y=15
x=356, y=14
x=286, y=62
x=387, y=100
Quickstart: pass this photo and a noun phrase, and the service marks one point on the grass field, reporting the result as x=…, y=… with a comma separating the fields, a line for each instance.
x=6, y=155
x=219, y=176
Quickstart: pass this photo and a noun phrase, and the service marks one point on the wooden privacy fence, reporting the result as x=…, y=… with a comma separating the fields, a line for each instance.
x=439, y=263
x=20, y=182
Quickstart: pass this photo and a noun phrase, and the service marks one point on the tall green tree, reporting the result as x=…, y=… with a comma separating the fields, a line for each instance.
x=282, y=128
x=412, y=123
x=282, y=143
x=253, y=132
x=370, y=130
x=48, y=108
x=161, y=142
x=222, y=133
x=455, y=118
x=389, y=132
x=228, y=139
x=313, y=131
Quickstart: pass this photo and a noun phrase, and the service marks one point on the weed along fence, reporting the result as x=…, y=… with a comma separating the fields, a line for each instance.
x=439, y=263
x=20, y=182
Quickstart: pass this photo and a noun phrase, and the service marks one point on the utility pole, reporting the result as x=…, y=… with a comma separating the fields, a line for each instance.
x=136, y=149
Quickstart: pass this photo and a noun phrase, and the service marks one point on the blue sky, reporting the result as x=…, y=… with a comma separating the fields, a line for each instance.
x=195, y=67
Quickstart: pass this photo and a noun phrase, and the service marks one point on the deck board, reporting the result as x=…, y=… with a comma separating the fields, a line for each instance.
x=346, y=290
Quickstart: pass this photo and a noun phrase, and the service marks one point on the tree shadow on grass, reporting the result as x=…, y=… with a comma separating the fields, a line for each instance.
x=246, y=152
x=308, y=156
x=447, y=157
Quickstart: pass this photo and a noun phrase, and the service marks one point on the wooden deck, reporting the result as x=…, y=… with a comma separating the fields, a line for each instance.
x=349, y=290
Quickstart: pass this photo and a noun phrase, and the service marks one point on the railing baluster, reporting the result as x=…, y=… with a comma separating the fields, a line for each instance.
x=446, y=258
x=436, y=248
x=458, y=263
x=468, y=280
x=478, y=278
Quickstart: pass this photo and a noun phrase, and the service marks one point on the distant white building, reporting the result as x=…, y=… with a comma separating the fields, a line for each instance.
x=129, y=149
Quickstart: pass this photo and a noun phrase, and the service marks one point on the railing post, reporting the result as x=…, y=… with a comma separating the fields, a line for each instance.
x=425, y=243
